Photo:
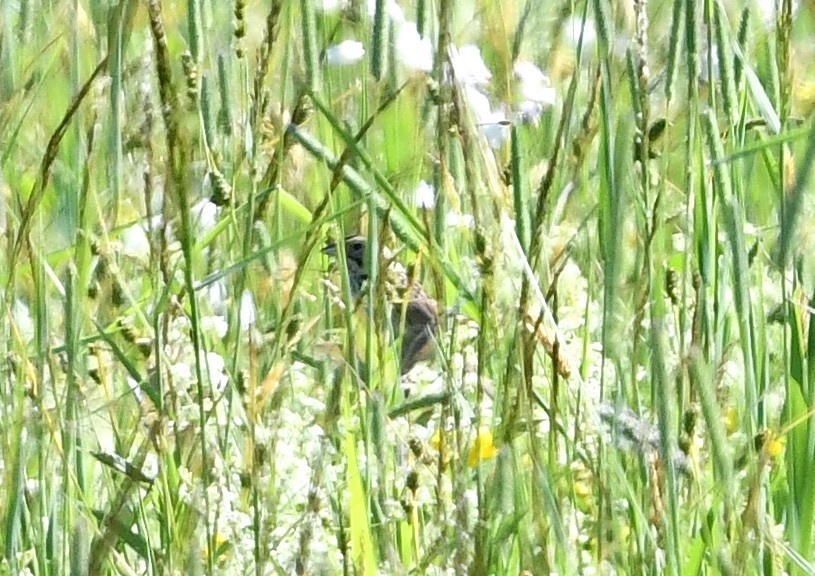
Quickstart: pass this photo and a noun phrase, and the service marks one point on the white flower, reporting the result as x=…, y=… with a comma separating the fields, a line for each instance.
x=479, y=104
x=536, y=91
x=331, y=6
x=468, y=66
x=424, y=196
x=768, y=10
x=247, y=311
x=216, y=371
x=395, y=12
x=495, y=128
x=135, y=243
x=217, y=294
x=182, y=374
x=678, y=242
x=470, y=71
x=205, y=215
x=392, y=9
x=214, y=325
x=573, y=28
x=709, y=64
x=150, y=467
x=135, y=388
x=454, y=219
x=493, y=124
x=528, y=112
x=412, y=50
x=535, y=85
x=21, y=316
x=345, y=53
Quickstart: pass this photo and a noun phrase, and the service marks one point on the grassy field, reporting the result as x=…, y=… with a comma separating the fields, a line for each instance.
x=610, y=201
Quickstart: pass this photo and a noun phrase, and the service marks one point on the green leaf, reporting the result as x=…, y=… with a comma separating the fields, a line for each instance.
x=362, y=548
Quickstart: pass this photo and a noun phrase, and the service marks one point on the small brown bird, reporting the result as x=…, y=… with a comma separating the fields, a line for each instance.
x=421, y=313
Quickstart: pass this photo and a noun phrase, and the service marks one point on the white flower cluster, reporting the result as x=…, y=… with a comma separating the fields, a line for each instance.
x=473, y=76
x=413, y=51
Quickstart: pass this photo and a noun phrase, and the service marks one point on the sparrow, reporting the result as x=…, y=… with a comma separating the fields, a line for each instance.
x=421, y=312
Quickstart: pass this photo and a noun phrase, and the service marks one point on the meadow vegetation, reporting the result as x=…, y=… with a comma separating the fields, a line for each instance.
x=610, y=201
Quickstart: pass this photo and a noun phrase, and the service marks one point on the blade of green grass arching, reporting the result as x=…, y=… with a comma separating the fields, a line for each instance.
x=665, y=396
x=378, y=453
x=289, y=205
x=14, y=477
x=724, y=43
x=8, y=49
x=611, y=215
x=732, y=216
x=794, y=203
x=609, y=218
x=763, y=143
x=801, y=464
x=404, y=225
x=311, y=54
x=273, y=246
x=127, y=364
x=519, y=192
x=194, y=30
x=610, y=230
x=800, y=448
x=546, y=509
x=179, y=186
x=378, y=49
x=704, y=384
x=225, y=120
x=120, y=25
x=79, y=276
x=207, y=118
x=40, y=185
x=677, y=21
x=125, y=531
x=809, y=391
x=402, y=217
x=506, y=510
x=796, y=559
x=362, y=550
x=695, y=558
x=12, y=135
x=758, y=94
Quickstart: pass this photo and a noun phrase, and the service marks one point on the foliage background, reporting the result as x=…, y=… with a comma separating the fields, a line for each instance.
x=625, y=377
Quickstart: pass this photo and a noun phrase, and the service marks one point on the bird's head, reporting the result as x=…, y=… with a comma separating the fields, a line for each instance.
x=355, y=258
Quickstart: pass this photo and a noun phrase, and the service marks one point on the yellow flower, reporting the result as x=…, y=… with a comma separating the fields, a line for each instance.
x=731, y=420
x=435, y=440
x=222, y=547
x=483, y=448
x=444, y=452
x=775, y=447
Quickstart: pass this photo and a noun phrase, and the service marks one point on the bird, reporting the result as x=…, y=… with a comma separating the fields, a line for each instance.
x=421, y=312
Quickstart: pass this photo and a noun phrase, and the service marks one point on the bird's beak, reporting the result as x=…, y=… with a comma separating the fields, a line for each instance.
x=330, y=249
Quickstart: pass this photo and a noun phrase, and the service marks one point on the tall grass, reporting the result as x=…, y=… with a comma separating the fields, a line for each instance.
x=624, y=374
